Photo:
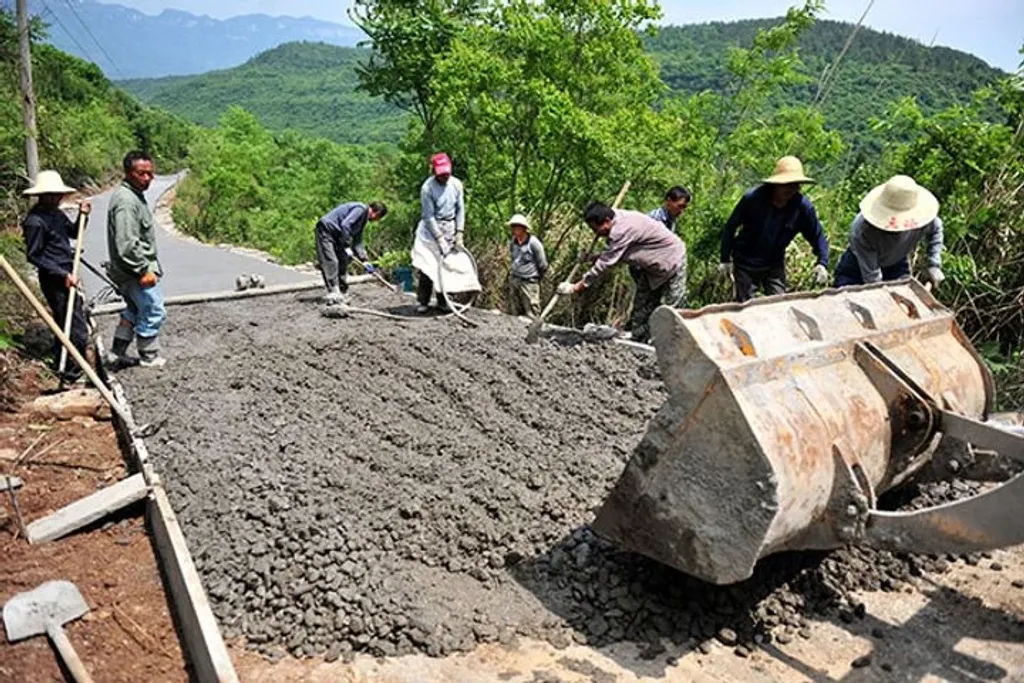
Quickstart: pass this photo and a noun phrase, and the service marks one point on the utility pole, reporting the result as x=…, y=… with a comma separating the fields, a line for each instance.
x=28, y=98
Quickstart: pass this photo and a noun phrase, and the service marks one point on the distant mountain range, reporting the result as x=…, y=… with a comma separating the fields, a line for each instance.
x=311, y=87
x=126, y=43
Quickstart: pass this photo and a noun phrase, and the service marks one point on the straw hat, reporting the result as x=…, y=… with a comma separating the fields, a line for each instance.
x=899, y=204
x=519, y=219
x=49, y=182
x=788, y=170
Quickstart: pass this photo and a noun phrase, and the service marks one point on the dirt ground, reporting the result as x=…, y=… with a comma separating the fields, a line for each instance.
x=128, y=634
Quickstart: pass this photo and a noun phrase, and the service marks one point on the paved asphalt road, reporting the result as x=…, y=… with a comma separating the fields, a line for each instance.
x=189, y=266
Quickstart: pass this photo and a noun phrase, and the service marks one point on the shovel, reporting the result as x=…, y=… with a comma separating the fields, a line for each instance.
x=533, y=333
x=45, y=610
x=383, y=280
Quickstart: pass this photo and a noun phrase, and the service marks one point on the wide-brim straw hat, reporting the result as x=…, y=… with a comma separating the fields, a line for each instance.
x=49, y=182
x=899, y=204
x=788, y=170
x=519, y=219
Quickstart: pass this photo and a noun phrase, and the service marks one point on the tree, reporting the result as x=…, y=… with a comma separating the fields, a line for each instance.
x=409, y=37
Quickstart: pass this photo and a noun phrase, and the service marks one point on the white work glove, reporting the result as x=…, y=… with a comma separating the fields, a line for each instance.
x=820, y=275
x=935, y=275
x=459, y=241
x=725, y=270
x=566, y=289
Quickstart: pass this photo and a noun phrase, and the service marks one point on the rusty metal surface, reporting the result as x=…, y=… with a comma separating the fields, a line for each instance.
x=741, y=461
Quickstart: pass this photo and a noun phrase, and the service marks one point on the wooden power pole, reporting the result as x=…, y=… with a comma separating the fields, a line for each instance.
x=28, y=98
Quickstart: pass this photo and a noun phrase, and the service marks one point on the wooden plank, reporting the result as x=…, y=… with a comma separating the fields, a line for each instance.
x=203, y=642
x=89, y=509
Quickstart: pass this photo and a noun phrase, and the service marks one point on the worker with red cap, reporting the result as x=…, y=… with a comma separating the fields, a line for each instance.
x=442, y=220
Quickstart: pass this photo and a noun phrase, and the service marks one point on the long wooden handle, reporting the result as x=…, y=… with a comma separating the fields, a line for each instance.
x=572, y=273
x=69, y=316
x=41, y=311
x=67, y=653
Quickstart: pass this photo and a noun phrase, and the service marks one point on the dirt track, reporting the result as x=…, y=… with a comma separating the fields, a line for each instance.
x=369, y=485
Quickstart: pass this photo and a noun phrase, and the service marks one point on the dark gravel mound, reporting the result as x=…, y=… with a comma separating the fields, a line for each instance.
x=383, y=486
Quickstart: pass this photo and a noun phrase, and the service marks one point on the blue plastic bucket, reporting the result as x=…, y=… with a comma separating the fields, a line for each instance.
x=403, y=275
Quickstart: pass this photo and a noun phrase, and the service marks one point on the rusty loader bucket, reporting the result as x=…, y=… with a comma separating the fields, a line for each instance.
x=788, y=415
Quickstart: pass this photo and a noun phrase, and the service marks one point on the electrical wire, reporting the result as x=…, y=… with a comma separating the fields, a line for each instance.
x=91, y=35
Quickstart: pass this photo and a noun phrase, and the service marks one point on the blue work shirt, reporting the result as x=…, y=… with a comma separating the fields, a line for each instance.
x=48, y=234
x=767, y=230
x=348, y=222
x=662, y=215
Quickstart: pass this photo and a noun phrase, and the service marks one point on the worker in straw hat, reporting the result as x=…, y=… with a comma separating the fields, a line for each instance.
x=48, y=233
x=893, y=218
x=768, y=217
x=529, y=263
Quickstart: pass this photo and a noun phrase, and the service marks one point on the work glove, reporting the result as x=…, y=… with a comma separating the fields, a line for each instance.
x=148, y=280
x=369, y=268
x=566, y=289
x=349, y=252
x=460, y=242
x=820, y=275
x=725, y=270
x=935, y=275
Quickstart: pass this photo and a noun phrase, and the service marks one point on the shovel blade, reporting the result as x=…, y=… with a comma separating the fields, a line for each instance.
x=27, y=614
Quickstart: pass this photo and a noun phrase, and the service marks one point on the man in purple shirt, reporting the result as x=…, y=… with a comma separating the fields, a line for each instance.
x=768, y=217
x=657, y=255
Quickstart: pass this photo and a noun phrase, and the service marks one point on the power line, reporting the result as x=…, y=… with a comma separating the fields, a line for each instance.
x=91, y=35
x=68, y=33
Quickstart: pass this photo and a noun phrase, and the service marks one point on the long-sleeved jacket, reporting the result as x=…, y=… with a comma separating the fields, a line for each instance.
x=47, y=235
x=642, y=242
x=131, y=236
x=443, y=205
x=348, y=221
x=529, y=262
x=767, y=230
x=876, y=249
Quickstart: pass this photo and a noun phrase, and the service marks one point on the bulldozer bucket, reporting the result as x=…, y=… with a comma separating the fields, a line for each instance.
x=786, y=417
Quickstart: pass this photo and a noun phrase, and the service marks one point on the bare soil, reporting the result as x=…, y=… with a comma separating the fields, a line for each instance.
x=128, y=634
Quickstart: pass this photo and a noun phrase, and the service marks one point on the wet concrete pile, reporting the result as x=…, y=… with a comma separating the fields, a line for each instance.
x=372, y=485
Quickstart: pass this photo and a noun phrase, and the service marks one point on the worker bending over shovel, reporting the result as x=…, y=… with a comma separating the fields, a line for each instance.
x=48, y=233
x=339, y=234
x=658, y=256
x=893, y=218
x=440, y=230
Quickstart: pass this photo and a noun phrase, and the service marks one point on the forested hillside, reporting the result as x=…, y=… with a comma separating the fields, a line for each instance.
x=305, y=87
x=311, y=87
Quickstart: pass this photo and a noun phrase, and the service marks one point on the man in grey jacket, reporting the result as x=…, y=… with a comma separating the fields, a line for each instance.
x=529, y=263
x=134, y=266
x=642, y=242
x=338, y=234
x=894, y=217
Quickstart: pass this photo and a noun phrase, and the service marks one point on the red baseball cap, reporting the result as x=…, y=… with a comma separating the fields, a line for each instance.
x=441, y=163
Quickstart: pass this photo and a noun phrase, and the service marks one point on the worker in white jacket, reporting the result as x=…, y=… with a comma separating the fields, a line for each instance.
x=442, y=221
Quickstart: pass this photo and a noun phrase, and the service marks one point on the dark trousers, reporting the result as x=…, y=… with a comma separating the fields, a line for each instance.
x=770, y=280
x=56, y=295
x=848, y=271
x=424, y=290
x=330, y=252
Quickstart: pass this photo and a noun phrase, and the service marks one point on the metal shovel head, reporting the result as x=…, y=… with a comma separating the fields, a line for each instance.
x=27, y=614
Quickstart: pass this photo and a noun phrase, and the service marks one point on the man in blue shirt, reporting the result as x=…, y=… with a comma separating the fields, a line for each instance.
x=769, y=216
x=676, y=200
x=337, y=233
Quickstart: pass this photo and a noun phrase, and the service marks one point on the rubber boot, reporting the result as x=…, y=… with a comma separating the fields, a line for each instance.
x=123, y=336
x=149, y=352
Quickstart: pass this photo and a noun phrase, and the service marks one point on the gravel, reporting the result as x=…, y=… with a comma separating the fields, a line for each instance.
x=369, y=485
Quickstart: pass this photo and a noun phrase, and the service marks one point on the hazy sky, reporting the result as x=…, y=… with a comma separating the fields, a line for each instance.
x=991, y=29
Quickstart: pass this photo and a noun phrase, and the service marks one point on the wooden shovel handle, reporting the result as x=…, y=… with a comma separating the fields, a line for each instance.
x=67, y=653
x=69, y=316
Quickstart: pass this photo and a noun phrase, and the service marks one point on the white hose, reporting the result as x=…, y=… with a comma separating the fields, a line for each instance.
x=456, y=311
